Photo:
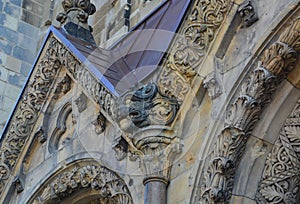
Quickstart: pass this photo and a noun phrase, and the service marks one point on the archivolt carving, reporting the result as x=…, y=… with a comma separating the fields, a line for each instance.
x=191, y=45
x=111, y=188
x=244, y=112
x=36, y=94
x=281, y=177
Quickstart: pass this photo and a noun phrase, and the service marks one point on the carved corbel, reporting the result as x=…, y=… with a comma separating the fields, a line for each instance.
x=248, y=14
x=100, y=123
x=212, y=86
x=41, y=135
x=120, y=146
x=81, y=102
x=19, y=184
x=64, y=86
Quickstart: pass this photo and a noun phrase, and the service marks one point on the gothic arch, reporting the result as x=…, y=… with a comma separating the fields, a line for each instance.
x=280, y=182
x=87, y=180
x=60, y=128
x=217, y=183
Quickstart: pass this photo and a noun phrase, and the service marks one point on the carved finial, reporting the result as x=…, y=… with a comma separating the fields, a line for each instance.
x=75, y=18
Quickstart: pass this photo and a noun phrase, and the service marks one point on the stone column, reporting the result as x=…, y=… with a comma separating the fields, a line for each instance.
x=159, y=147
x=146, y=117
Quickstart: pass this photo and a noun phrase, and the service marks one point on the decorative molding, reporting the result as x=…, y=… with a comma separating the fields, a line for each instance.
x=248, y=14
x=110, y=186
x=100, y=123
x=244, y=112
x=212, y=86
x=190, y=46
x=81, y=102
x=281, y=177
x=35, y=95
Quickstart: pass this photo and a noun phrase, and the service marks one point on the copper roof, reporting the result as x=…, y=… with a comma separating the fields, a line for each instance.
x=136, y=55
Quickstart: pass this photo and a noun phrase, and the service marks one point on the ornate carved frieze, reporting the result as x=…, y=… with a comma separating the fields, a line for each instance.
x=191, y=45
x=111, y=188
x=35, y=95
x=245, y=111
x=248, y=14
x=281, y=177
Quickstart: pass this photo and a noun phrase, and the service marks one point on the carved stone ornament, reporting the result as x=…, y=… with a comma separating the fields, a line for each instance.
x=75, y=17
x=144, y=107
x=244, y=112
x=212, y=86
x=191, y=45
x=100, y=123
x=41, y=135
x=247, y=13
x=19, y=184
x=35, y=95
x=281, y=177
x=81, y=102
x=111, y=188
x=120, y=146
x=64, y=86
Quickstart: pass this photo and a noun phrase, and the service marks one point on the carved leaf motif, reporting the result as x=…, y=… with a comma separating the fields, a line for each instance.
x=191, y=46
x=99, y=178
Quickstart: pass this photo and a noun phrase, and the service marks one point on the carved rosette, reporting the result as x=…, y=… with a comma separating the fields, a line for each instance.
x=278, y=60
x=111, y=188
x=35, y=95
x=191, y=45
x=281, y=177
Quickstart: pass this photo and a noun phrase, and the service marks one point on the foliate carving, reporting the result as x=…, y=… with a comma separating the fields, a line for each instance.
x=281, y=179
x=247, y=13
x=100, y=123
x=191, y=45
x=36, y=94
x=146, y=106
x=280, y=58
x=81, y=102
x=212, y=86
x=220, y=173
x=111, y=188
x=244, y=112
x=98, y=92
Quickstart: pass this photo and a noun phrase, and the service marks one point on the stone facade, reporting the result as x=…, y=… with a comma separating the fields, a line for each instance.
x=216, y=122
x=23, y=25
